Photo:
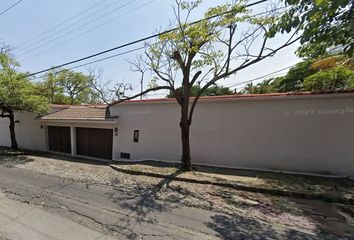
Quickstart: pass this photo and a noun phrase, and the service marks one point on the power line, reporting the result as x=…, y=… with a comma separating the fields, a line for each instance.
x=71, y=24
x=119, y=54
x=110, y=20
x=13, y=5
x=96, y=61
x=258, y=78
x=89, y=30
x=109, y=57
x=138, y=41
x=61, y=24
x=251, y=80
x=76, y=28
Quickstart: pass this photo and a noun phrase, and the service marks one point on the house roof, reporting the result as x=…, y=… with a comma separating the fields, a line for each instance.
x=65, y=106
x=239, y=97
x=80, y=112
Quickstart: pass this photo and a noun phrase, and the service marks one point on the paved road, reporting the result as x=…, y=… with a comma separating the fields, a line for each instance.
x=23, y=221
x=117, y=212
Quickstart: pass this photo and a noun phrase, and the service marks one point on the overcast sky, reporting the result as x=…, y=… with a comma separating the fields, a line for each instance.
x=102, y=25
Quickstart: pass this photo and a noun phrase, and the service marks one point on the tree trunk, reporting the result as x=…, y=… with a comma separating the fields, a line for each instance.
x=12, y=131
x=186, y=151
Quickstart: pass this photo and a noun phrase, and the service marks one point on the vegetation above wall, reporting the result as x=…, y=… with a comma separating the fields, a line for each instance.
x=215, y=90
x=17, y=93
x=325, y=73
x=67, y=87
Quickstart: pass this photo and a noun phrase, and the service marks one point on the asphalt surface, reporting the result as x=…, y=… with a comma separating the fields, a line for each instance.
x=114, y=211
x=124, y=213
x=23, y=221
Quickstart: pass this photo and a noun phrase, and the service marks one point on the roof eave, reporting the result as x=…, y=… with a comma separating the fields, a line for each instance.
x=87, y=121
x=250, y=97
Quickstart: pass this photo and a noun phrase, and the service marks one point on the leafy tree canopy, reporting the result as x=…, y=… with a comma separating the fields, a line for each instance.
x=265, y=86
x=215, y=90
x=338, y=78
x=229, y=39
x=328, y=73
x=292, y=81
x=325, y=24
x=68, y=87
x=17, y=93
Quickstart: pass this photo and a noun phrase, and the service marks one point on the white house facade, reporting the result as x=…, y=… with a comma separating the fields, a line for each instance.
x=308, y=133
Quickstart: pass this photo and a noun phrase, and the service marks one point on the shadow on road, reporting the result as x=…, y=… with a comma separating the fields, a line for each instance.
x=11, y=161
x=151, y=163
x=238, y=227
x=143, y=199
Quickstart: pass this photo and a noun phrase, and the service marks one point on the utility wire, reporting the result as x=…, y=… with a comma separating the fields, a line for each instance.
x=233, y=85
x=258, y=78
x=73, y=30
x=251, y=80
x=13, y=5
x=110, y=20
x=96, y=61
x=60, y=24
x=115, y=55
x=139, y=40
x=70, y=25
x=90, y=30
x=109, y=57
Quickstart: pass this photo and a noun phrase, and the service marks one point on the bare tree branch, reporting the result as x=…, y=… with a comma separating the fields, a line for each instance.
x=138, y=65
x=242, y=66
x=144, y=92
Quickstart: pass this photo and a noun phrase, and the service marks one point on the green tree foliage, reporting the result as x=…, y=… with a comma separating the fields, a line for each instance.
x=328, y=73
x=265, y=86
x=17, y=93
x=292, y=81
x=51, y=89
x=211, y=91
x=338, y=78
x=229, y=39
x=325, y=24
x=68, y=87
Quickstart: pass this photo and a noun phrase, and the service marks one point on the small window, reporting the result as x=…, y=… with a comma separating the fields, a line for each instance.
x=136, y=136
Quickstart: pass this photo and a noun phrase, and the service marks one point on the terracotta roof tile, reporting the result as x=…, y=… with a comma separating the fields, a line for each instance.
x=89, y=113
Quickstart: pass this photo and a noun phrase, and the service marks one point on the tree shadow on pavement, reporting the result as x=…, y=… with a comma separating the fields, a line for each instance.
x=11, y=161
x=238, y=227
x=68, y=158
x=160, y=164
x=143, y=199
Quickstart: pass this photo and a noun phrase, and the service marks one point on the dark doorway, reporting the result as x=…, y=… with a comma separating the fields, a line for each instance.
x=94, y=142
x=59, y=139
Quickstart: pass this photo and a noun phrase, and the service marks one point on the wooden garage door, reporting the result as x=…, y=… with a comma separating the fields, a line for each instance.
x=59, y=139
x=94, y=142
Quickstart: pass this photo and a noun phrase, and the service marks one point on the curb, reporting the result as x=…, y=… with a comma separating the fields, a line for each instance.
x=276, y=192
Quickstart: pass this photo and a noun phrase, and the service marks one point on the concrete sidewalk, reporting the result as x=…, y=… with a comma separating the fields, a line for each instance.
x=23, y=221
